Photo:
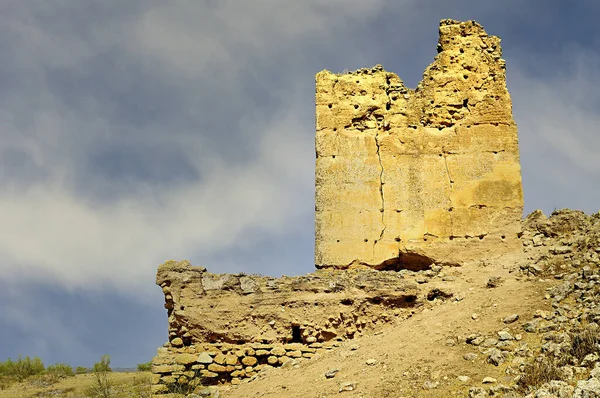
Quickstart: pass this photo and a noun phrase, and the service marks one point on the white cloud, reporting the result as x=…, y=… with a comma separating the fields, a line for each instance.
x=50, y=233
x=556, y=112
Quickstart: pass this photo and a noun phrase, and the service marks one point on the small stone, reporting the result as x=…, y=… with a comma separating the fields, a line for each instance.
x=470, y=356
x=464, y=379
x=495, y=357
x=220, y=359
x=511, y=318
x=504, y=336
x=278, y=351
x=204, y=358
x=354, y=347
x=371, y=362
x=477, y=392
x=489, y=380
x=249, y=361
x=208, y=373
x=474, y=316
x=494, y=281
x=185, y=359
x=330, y=374
x=430, y=385
x=531, y=326
x=213, y=367
x=347, y=386
x=231, y=359
x=272, y=360
x=294, y=354
x=177, y=342
x=311, y=339
x=489, y=342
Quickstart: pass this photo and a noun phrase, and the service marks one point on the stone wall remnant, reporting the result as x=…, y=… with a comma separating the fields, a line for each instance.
x=406, y=178
x=223, y=328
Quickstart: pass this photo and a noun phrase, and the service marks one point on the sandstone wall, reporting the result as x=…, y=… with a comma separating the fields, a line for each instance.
x=224, y=328
x=203, y=307
x=405, y=178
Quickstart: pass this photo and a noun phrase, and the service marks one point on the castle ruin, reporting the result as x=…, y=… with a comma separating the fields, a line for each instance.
x=406, y=180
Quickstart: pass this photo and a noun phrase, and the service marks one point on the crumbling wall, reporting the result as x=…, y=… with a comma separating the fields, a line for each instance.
x=225, y=328
x=405, y=178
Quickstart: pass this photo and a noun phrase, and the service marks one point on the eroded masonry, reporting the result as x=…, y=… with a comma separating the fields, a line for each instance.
x=406, y=180
x=408, y=177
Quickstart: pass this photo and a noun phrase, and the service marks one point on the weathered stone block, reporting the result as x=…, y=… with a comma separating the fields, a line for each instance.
x=249, y=361
x=402, y=173
x=213, y=367
x=186, y=359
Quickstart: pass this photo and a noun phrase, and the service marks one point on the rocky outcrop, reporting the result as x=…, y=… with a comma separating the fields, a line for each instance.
x=405, y=178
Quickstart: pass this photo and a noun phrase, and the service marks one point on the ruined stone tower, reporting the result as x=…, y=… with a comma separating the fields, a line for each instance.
x=405, y=178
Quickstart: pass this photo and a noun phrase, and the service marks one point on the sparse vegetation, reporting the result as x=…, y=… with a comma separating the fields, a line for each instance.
x=144, y=367
x=21, y=368
x=102, y=385
x=81, y=370
x=585, y=341
x=542, y=370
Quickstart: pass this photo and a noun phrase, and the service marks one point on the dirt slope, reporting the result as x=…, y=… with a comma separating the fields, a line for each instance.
x=421, y=356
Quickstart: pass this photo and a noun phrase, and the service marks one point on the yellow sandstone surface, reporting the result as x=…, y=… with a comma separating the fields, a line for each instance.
x=405, y=178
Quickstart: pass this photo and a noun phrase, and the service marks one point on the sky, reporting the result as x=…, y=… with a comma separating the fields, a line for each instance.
x=136, y=132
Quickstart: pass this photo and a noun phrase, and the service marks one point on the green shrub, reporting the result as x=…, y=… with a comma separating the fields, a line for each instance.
x=21, y=368
x=80, y=370
x=102, y=385
x=59, y=370
x=144, y=367
x=103, y=365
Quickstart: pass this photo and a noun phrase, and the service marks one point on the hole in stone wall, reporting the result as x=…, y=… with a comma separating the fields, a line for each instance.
x=366, y=240
x=333, y=156
x=347, y=301
x=397, y=239
x=481, y=237
x=330, y=106
x=503, y=237
x=437, y=293
x=355, y=106
x=465, y=77
x=335, y=129
x=296, y=334
x=462, y=51
x=388, y=106
x=409, y=261
x=466, y=103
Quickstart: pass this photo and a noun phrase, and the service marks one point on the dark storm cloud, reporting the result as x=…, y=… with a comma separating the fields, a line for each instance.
x=135, y=132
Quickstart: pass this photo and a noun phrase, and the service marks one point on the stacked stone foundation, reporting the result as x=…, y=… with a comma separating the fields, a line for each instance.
x=190, y=369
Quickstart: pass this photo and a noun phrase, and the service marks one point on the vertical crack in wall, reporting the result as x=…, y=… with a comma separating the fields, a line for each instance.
x=451, y=188
x=382, y=210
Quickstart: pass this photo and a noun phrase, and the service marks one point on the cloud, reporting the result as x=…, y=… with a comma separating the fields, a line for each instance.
x=187, y=131
x=556, y=112
x=141, y=139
